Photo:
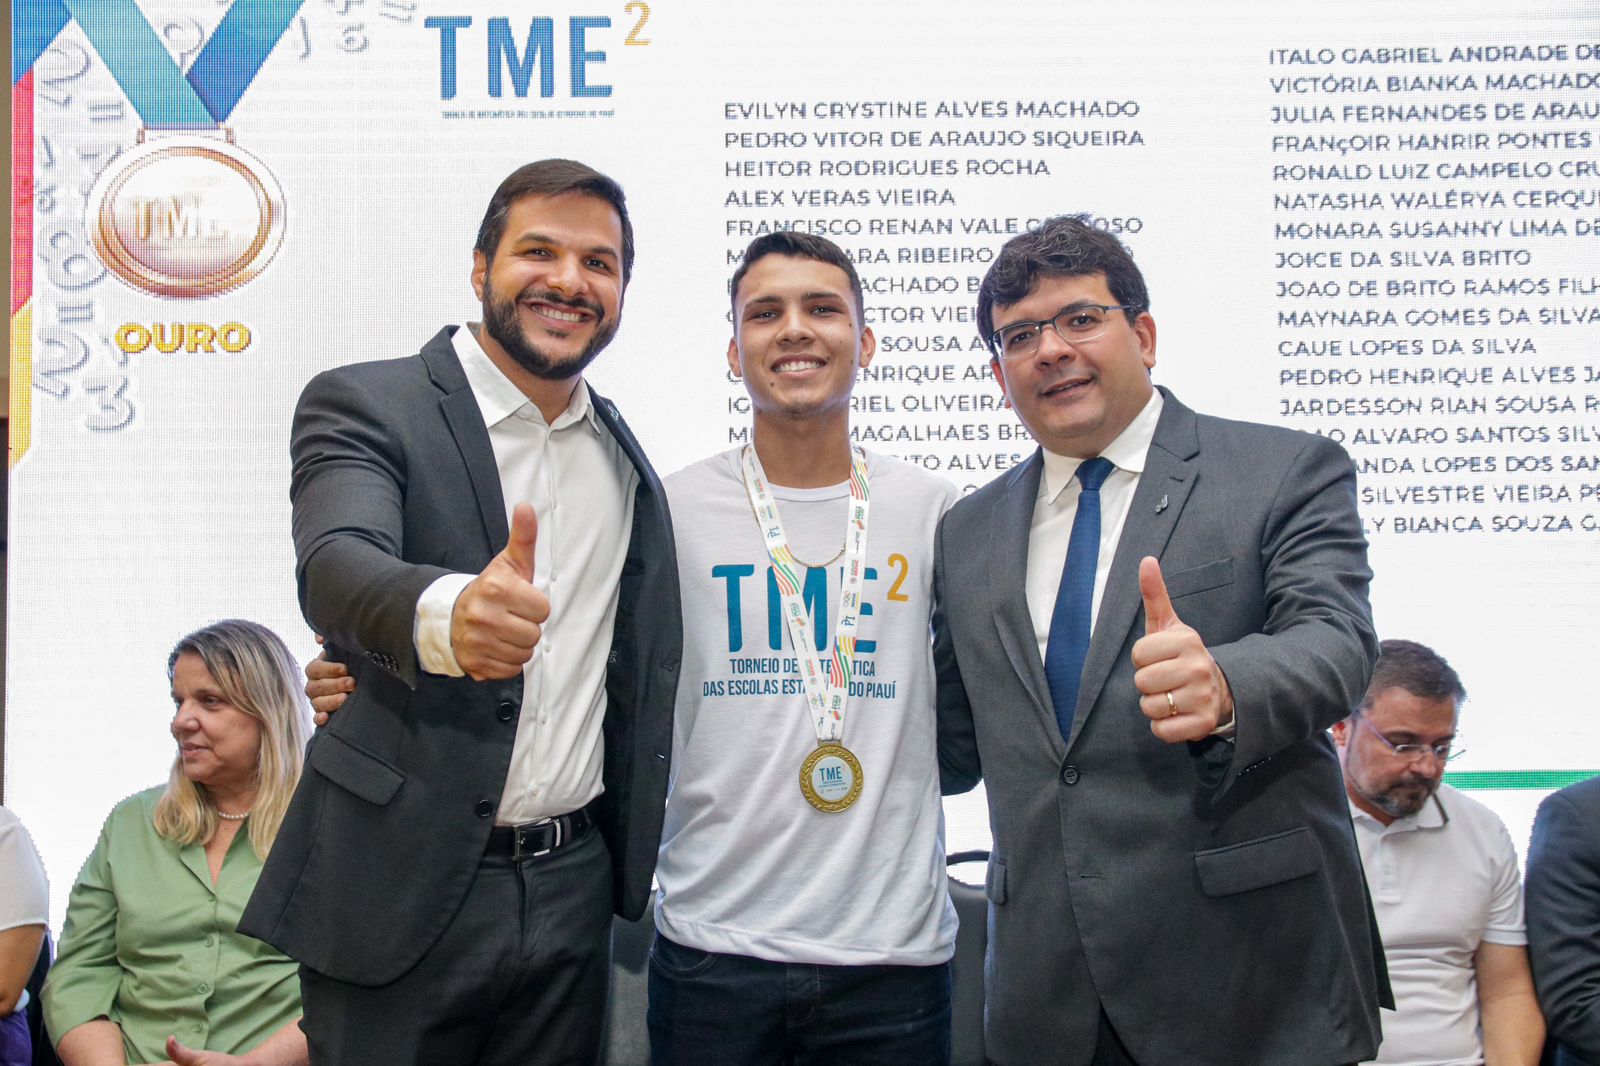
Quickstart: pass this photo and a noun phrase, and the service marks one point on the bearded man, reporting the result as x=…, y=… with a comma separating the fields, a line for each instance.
x=1442, y=874
x=479, y=534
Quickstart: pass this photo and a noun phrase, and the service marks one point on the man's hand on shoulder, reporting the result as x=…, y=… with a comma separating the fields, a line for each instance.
x=497, y=620
x=1181, y=688
x=328, y=685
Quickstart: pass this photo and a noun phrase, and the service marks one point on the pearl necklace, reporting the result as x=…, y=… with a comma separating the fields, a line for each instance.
x=224, y=815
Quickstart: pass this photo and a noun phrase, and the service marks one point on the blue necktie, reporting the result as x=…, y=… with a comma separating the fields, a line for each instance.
x=1068, y=645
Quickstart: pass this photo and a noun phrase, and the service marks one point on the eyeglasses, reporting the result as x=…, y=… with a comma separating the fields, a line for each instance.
x=1445, y=750
x=1081, y=322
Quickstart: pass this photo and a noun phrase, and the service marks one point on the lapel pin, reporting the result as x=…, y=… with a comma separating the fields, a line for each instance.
x=1162, y=506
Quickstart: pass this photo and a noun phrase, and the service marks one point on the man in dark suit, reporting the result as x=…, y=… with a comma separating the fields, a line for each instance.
x=439, y=874
x=1564, y=918
x=1174, y=877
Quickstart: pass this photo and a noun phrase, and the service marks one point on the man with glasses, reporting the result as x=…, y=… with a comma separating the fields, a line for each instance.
x=1156, y=619
x=1441, y=871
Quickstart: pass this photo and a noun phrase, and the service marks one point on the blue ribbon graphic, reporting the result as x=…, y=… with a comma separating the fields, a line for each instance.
x=162, y=94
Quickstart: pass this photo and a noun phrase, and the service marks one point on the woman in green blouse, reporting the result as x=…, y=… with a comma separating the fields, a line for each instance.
x=150, y=963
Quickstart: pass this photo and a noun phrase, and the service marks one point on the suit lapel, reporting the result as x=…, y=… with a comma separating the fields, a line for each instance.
x=1008, y=576
x=1164, y=487
x=612, y=420
x=652, y=528
x=465, y=419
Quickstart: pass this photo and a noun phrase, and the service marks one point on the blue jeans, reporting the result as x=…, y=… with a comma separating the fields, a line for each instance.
x=708, y=1009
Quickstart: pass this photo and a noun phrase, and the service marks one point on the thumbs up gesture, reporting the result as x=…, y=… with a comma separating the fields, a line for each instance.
x=1181, y=688
x=497, y=619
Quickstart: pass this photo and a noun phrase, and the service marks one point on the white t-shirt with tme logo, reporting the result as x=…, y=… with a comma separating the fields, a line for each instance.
x=747, y=866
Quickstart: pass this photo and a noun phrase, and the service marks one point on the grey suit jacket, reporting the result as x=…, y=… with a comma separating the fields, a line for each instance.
x=1563, y=900
x=1209, y=896
x=394, y=485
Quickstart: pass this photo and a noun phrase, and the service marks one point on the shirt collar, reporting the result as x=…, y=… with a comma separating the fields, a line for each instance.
x=499, y=399
x=1126, y=452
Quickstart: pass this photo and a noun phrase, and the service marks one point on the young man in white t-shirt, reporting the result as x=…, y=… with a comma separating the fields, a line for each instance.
x=803, y=913
x=791, y=927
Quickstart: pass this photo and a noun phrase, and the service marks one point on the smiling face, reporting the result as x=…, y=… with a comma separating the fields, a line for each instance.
x=1076, y=398
x=552, y=294
x=218, y=744
x=797, y=338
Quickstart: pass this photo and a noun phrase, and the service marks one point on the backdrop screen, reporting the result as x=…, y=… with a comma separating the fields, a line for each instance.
x=1373, y=221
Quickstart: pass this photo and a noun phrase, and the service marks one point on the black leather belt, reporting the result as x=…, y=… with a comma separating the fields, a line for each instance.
x=532, y=839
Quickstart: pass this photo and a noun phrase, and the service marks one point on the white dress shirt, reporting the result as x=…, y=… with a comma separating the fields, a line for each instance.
x=581, y=485
x=1057, y=506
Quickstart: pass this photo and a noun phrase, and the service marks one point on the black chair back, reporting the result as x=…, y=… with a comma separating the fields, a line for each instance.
x=44, y=1053
x=627, y=1043
x=972, y=938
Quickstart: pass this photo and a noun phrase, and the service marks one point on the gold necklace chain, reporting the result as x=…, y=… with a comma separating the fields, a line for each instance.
x=810, y=566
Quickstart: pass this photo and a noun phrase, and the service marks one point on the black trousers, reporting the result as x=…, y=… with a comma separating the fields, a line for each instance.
x=518, y=978
x=1108, y=1048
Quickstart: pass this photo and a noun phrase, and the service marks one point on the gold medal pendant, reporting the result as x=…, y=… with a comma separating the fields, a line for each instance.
x=185, y=215
x=830, y=778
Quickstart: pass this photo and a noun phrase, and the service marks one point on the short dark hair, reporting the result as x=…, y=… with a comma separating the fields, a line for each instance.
x=553, y=177
x=801, y=246
x=1066, y=246
x=1416, y=668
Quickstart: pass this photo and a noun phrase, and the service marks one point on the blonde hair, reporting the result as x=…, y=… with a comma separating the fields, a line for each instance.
x=256, y=674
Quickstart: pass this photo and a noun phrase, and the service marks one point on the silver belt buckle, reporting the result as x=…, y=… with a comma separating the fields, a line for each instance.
x=516, y=842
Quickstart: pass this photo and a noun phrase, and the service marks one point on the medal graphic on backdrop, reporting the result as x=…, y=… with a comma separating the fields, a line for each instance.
x=185, y=216
x=186, y=212
x=830, y=777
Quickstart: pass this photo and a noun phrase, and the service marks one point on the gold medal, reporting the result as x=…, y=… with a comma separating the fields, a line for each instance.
x=186, y=215
x=830, y=778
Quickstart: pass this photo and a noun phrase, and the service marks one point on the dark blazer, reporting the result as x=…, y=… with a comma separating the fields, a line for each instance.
x=1207, y=896
x=394, y=485
x=1563, y=901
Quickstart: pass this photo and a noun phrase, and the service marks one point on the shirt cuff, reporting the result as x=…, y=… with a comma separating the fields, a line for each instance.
x=1229, y=730
x=430, y=633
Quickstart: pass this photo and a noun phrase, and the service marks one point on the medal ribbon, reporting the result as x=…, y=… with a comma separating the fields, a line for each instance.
x=163, y=95
x=827, y=682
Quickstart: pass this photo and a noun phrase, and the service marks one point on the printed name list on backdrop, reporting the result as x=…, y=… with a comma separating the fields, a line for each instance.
x=1435, y=211
x=905, y=186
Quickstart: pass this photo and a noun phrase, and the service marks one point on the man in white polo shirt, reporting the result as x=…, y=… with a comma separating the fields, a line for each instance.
x=1442, y=873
